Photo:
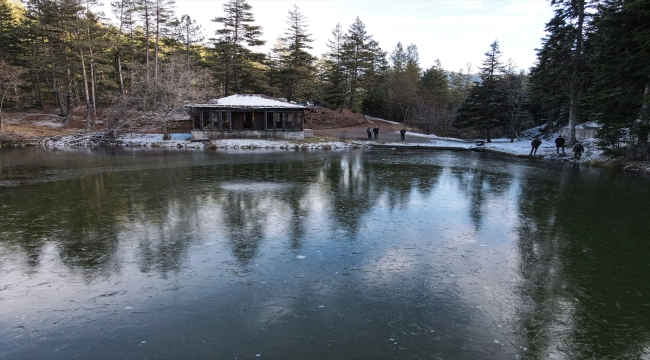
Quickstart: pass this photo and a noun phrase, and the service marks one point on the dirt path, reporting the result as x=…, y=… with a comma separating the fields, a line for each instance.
x=388, y=132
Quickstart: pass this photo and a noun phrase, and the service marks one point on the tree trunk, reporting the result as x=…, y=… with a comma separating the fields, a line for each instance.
x=188, y=55
x=549, y=123
x=225, y=82
x=92, y=88
x=290, y=95
x=155, y=56
x=146, y=39
x=68, y=109
x=40, y=93
x=86, y=95
x=234, y=69
x=119, y=70
x=2, y=100
x=645, y=119
x=575, y=79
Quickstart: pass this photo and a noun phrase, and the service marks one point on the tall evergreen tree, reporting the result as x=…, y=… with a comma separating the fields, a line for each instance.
x=620, y=92
x=299, y=64
x=403, y=82
x=484, y=107
x=550, y=77
x=334, y=70
x=11, y=17
x=573, y=13
x=190, y=34
x=238, y=30
x=357, y=58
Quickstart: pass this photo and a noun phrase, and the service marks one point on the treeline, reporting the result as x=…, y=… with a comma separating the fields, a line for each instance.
x=594, y=65
x=66, y=52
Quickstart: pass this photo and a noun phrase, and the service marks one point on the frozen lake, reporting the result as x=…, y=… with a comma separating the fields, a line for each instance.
x=133, y=254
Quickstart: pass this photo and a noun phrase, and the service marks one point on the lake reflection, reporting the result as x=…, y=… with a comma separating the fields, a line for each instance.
x=194, y=255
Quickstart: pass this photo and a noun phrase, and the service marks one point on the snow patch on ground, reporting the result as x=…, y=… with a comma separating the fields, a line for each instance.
x=388, y=121
x=182, y=141
x=47, y=123
x=589, y=125
x=519, y=147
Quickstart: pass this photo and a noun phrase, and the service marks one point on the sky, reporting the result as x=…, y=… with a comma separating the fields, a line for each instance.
x=456, y=32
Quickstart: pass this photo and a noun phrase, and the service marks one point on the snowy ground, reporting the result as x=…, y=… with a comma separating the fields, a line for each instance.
x=183, y=141
x=520, y=147
x=516, y=148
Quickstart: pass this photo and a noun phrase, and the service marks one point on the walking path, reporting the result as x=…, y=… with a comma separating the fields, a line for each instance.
x=389, y=137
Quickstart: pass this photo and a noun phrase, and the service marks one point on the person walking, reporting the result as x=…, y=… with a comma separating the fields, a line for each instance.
x=535, y=144
x=402, y=133
x=577, y=151
x=376, y=131
x=559, y=143
x=369, y=133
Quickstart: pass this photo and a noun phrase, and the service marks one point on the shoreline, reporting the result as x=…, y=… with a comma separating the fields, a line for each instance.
x=182, y=141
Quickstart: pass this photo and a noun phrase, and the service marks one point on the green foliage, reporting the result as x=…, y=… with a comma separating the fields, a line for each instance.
x=232, y=53
x=486, y=107
x=610, y=136
x=298, y=70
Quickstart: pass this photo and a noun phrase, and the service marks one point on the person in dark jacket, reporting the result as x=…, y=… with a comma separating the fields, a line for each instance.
x=369, y=133
x=559, y=143
x=577, y=151
x=402, y=133
x=376, y=131
x=534, y=145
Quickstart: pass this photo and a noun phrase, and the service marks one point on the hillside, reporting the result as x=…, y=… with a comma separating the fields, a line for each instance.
x=323, y=119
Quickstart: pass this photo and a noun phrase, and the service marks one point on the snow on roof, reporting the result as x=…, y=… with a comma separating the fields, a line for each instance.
x=252, y=101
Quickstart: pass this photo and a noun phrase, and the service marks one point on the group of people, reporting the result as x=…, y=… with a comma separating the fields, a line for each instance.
x=578, y=149
x=375, y=130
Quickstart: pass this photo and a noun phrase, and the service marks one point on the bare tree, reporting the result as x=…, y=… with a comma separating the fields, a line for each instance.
x=176, y=86
x=10, y=80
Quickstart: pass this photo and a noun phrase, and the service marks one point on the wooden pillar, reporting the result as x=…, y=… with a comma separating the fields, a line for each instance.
x=266, y=120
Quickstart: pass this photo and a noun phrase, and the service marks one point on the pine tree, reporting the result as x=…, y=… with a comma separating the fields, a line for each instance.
x=357, y=59
x=434, y=85
x=11, y=17
x=620, y=92
x=334, y=70
x=190, y=34
x=574, y=13
x=550, y=77
x=299, y=64
x=403, y=82
x=484, y=109
x=238, y=30
x=163, y=13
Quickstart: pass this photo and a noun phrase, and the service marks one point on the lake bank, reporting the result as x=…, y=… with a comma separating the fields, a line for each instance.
x=338, y=139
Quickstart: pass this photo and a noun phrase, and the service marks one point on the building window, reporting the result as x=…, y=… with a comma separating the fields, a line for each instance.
x=225, y=121
x=196, y=120
x=205, y=120
x=278, y=120
x=269, y=121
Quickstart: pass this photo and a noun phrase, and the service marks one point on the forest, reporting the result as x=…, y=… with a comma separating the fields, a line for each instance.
x=593, y=65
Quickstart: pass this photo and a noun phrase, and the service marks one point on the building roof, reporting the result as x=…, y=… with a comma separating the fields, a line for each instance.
x=252, y=101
